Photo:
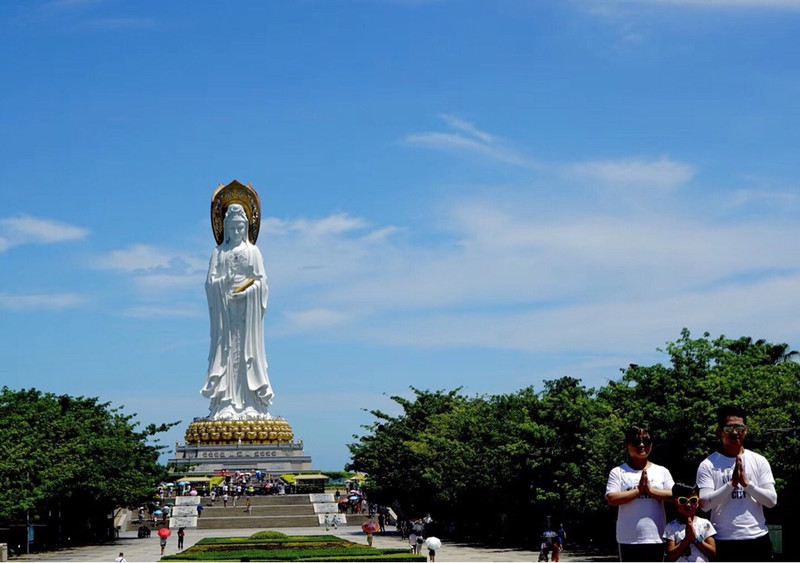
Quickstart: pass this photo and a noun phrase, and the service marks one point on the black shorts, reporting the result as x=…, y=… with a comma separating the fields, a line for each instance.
x=641, y=551
x=758, y=549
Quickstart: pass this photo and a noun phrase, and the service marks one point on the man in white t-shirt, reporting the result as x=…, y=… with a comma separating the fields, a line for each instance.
x=639, y=488
x=736, y=484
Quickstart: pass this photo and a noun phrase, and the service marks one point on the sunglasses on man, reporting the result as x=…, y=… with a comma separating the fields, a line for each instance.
x=646, y=441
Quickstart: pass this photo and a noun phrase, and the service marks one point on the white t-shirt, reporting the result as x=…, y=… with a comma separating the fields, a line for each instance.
x=676, y=531
x=738, y=516
x=642, y=520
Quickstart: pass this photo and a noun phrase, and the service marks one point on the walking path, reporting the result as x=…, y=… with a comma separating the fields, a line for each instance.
x=148, y=549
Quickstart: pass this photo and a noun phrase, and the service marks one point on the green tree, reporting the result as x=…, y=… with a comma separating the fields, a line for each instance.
x=67, y=462
x=501, y=464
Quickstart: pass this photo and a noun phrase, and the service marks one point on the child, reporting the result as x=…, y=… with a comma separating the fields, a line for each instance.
x=689, y=537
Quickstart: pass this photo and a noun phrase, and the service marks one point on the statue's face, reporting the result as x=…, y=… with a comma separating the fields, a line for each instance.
x=237, y=231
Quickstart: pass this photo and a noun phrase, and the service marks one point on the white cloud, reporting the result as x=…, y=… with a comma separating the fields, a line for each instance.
x=466, y=127
x=469, y=140
x=749, y=198
x=46, y=302
x=137, y=257
x=501, y=275
x=757, y=4
x=607, y=327
x=332, y=225
x=164, y=282
x=315, y=318
x=122, y=23
x=156, y=311
x=141, y=258
x=661, y=174
x=25, y=229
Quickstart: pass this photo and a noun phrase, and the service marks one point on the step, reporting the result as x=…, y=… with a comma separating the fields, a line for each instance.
x=289, y=510
x=261, y=522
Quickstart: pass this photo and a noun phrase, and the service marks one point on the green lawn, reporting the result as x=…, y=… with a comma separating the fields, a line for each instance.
x=275, y=546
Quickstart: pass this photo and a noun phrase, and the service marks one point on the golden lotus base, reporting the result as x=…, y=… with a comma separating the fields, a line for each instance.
x=216, y=432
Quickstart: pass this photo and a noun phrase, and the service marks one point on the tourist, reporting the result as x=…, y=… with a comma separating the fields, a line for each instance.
x=225, y=500
x=181, y=534
x=412, y=541
x=120, y=558
x=735, y=485
x=689, y=537
x=248, y=506
x=639, y=488
x=163, y=542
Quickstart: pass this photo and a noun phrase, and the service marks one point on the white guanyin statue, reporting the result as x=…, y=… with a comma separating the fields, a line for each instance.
x=236, y=287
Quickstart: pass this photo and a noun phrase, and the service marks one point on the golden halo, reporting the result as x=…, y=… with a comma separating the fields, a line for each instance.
x=235, y=192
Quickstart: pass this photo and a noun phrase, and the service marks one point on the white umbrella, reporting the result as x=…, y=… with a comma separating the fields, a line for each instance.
x=433, y=543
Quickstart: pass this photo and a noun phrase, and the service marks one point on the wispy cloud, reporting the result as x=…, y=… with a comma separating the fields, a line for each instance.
x=137, y=257
x=502, y=275
x=25, y=229
x=95, y=14
x=155, y=311
x=142, y=257
x=466, y=127
x=66, y=6
x=660, y=174
x=467, y=139
x=721, y=4
x=112, y=23
x=45, y=302
x=336, y=224
x=302, y=321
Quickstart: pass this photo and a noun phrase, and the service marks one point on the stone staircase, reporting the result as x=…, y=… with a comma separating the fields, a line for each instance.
x=268, y=512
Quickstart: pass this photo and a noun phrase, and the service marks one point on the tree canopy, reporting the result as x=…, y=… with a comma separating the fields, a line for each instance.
x=75, y=457
x=504, y=464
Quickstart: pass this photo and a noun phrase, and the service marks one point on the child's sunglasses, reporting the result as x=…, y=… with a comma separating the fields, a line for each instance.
x=691, y=500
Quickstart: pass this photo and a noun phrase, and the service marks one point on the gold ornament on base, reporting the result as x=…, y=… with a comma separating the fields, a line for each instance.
x=226, y=432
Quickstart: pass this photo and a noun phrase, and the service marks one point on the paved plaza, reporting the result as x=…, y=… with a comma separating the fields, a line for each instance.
x=148, y=549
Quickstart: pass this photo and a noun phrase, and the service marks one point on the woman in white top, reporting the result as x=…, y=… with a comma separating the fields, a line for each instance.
x=639, y=488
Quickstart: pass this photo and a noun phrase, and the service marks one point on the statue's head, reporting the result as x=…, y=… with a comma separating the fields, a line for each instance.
x=235, y=223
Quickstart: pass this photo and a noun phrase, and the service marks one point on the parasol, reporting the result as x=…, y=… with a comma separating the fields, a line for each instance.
x=433, y=543
x=370, y=526
x=164, y=532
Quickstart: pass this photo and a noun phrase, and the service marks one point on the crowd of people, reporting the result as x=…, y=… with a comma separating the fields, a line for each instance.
x=734, y=484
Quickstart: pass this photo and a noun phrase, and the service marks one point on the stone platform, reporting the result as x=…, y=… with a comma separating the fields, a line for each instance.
x=270, y=458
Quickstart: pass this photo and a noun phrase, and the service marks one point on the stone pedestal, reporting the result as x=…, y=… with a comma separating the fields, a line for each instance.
x=184, y=513
x=269, y=458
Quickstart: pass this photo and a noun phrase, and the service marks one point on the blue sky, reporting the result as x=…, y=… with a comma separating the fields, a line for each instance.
x=476, y=194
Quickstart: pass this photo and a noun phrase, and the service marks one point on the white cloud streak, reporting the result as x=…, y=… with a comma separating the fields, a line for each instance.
x=726, y=4
x=661, y=174
x=469, y=140
x=17, y=231
x=40, y=302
